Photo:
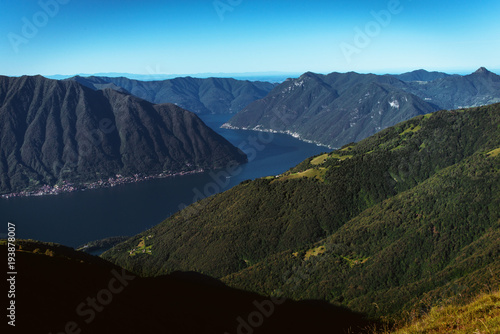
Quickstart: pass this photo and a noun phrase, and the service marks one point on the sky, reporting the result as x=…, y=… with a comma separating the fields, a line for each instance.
x=153, y=37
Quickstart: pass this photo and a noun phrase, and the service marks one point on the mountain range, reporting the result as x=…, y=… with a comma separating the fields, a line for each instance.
x=201, y=96
x=421, y=75
x=54, y=131
x=385, y=226
x=340, y=108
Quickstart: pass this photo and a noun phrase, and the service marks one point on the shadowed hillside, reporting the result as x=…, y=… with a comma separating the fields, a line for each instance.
x=60, y=288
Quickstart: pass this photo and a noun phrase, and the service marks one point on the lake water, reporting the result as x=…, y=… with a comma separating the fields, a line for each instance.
x=75, y=218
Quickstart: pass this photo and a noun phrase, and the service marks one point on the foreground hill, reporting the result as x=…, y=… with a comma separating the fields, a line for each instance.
x=436, y=240
x=340, y=108
x=62, y=290
x=202, y=96
x=412, y=211
x=479, y=315
x=54, y=131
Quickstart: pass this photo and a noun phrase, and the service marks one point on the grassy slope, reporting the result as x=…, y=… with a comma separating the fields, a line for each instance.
x=481, y=315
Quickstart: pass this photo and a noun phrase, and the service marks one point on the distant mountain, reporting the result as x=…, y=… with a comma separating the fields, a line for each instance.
x=420, y=75
x=61, y=288
x=408, y=214
x=339, y=108
x=202, y=96
x=332, y=109
x=479, y=88
x=54, y=131
x=272, y=76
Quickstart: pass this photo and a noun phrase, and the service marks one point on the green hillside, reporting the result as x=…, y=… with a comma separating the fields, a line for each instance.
x=480, y=315
x=406, y=215
x=438, y=239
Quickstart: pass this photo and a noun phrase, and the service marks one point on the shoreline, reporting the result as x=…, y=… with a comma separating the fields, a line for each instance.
x=68, y=187
x=259, y=128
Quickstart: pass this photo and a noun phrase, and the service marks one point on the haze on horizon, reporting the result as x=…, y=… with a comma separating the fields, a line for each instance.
x=51, y=37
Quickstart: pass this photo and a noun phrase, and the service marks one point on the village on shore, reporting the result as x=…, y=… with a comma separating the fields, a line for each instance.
x=67, y=187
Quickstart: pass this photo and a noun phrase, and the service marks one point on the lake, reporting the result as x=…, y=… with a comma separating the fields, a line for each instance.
x=73, y=219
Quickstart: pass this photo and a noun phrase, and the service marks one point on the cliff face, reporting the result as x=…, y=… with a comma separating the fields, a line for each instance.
x=52, y=131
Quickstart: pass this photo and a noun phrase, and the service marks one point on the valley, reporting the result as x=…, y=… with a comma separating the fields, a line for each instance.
x=114, y=209
x=409, y=213
x=250, y=167
x=367, y=231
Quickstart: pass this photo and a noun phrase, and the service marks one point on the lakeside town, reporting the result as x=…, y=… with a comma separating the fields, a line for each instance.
x=67, y=187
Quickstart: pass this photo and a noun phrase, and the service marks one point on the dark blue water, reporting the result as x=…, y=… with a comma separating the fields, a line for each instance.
x=75, y=218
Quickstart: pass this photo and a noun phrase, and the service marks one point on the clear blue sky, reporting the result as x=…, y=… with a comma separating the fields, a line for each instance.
x=184, y=37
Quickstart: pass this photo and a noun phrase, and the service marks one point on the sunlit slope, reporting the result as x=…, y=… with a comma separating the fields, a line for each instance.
x=239, y=228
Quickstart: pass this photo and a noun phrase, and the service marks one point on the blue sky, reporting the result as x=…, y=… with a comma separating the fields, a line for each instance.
x=185, y=37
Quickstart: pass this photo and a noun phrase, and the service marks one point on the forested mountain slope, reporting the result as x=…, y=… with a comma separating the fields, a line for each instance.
x=388, y=220
x=53, y=131
x=339, y=108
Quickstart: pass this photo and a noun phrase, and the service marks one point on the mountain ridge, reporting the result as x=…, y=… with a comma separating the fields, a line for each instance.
x=54, y=131
x=201, y=96
x=324, y=111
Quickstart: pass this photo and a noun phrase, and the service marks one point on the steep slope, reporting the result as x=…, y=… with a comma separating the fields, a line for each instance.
x=479, y=315
x=339, y=108
x=202, y=96
x=54, y=131
x=239, y=228
x=61, y=290
x=331, y=110
x=437, y=240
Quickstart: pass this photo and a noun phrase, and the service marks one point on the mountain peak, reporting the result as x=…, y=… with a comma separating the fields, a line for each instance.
x=482, y=70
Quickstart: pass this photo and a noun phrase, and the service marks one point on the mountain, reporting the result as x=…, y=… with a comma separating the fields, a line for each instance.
x=479, y=88
x=272, y=76
x=65, y=291
x=406, y=215
x=414, y=248
x=339, y=108
x=421, y=75
x=202, y=96
x=54, y=131
x=332, y=109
